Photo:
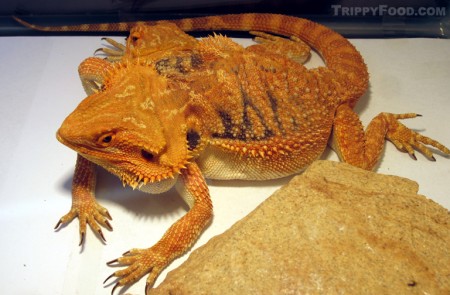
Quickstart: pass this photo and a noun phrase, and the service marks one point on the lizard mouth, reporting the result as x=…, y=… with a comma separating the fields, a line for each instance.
x=79, y=148
x=62, y=139
x=59, y=138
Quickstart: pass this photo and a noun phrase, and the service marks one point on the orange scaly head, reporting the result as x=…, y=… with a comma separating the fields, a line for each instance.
x=135, y=127
x=158, y=39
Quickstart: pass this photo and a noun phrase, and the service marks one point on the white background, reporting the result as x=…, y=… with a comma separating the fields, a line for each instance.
x=40, y=87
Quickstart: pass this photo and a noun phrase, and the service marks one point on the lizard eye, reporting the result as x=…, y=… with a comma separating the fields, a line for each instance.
x=135, y=37
x=106, y=139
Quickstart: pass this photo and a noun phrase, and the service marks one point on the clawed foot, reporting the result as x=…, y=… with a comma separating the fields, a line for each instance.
x=139, y=262
x=115, y=53
x=88, y=213
x=407, y=140
x=293, y=48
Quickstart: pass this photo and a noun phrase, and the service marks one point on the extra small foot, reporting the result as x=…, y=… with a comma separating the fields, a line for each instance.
x=113, y=54
x=292, y=48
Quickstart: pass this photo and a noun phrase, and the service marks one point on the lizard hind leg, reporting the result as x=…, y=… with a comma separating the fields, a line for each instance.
x=363, y=148
x=293, y=48
x=407, y=140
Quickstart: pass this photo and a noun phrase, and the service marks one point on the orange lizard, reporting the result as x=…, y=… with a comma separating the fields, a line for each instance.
x=169, y=111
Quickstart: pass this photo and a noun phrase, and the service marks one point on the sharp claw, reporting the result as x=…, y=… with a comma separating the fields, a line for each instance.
x=112, y=262
x=108, y=278
x=108, y=225
x=108, y=215
x=147, y=288
x=433, y=159
x=413, y=156
x=114, y=288
x=58, y=224
x=418, y=115
x=96, y=51
x=101, y=235
x=82, y=235
x=126, y=253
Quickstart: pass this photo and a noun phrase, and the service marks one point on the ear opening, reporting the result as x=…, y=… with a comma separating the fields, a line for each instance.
x=193, y=139
x=147, y=155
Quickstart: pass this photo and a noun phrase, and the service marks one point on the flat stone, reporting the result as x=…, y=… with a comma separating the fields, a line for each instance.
x=333, y=229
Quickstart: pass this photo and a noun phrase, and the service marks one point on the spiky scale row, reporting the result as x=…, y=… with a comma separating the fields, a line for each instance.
x=270, y=148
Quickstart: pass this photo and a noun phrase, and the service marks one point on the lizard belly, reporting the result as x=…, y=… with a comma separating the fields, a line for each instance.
x=217, y=163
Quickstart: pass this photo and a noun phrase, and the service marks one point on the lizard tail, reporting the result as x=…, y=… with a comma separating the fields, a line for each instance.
x=339, y=54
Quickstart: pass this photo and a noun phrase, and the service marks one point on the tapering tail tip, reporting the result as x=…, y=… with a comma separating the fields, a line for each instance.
x=27, y=24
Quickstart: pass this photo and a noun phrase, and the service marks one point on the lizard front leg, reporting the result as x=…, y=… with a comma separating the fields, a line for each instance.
x=363, y=148
x=178, y=238
x=84, y=205
x=92, y=73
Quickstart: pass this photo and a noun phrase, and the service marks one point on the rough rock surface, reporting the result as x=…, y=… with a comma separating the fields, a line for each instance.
x=333, y=229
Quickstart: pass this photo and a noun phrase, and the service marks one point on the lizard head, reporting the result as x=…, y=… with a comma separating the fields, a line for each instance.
x=135, y=128
x=147, y=40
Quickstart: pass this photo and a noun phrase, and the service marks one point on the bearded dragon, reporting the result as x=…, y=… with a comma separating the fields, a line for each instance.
x=167, y=110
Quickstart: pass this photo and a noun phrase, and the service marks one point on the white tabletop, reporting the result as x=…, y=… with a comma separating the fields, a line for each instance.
x=40, y=87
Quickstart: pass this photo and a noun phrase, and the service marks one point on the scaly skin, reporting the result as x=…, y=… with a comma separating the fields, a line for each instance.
x=169, y=110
